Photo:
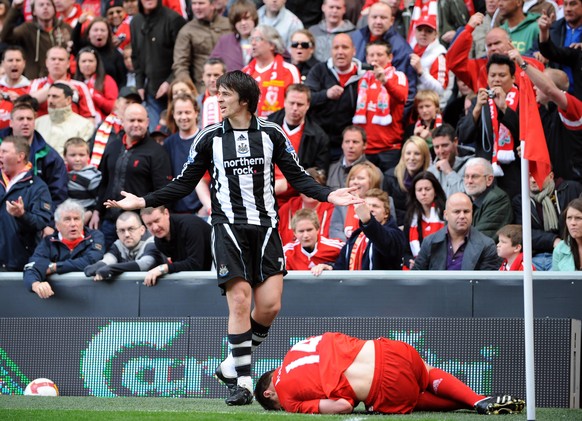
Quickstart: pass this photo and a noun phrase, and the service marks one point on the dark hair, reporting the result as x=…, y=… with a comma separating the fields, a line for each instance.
x=262, y=385
x=216, y=60
x=99, y=70
x=67, y=90
x=513, y=232
x=414, y=207
x=577, y=205
x=444, y=130
x=501, y=59
x=244, y=85
x=382, y=43
x=14, y=48
x=239, y=10
x=25, y=102
x=299, y=87
x=352, y=128
x=109, y=42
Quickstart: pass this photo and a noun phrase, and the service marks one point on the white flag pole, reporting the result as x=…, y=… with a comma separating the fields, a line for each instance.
x=527, y=289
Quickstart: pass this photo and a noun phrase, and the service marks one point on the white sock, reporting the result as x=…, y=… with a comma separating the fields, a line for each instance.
x=246, y=382
x=227, y=366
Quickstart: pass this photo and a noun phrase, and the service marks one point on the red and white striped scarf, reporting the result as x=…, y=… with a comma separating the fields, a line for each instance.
x=357, y=254
x=503, y=141
x=373, y=97
x=111, y=124
x=421, y=8
x=429, y=226
x=210, y=110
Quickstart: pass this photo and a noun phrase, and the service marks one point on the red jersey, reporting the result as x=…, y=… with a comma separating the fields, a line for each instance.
x=313, y=370
x=72, y=18
x=124, y=34
x=324, y=211
x=572, y=116
x=325, y=251
x=380, y=110
x=272, y=80
x=473, y=72
x=82, y=101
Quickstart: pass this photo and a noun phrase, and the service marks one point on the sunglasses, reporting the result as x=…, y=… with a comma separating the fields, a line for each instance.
x=301, y=44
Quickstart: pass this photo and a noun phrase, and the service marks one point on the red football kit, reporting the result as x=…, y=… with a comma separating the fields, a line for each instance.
x=314, y=370
x=325, y=251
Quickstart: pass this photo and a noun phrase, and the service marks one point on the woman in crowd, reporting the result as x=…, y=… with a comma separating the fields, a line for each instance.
x=102, y=87
x=376, y=244
x=414, y=159
x=302, y=49
x=567, y=255
x=100, y=37
x=235, y=48
x=324, y=210
x=182, y=85
x=344, y=220
x=424, y=213
x=428, y=116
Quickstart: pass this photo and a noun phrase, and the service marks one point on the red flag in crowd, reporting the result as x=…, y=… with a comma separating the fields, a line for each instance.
x=532, y=132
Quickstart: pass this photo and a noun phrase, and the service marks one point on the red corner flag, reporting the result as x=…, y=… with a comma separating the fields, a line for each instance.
x=532, y=132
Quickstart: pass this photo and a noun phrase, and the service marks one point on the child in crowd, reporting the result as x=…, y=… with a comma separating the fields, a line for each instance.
x=510, y=247
x=84, y=179
x=310, y=248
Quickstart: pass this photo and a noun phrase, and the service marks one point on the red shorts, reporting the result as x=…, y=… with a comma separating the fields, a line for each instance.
x=399, y=377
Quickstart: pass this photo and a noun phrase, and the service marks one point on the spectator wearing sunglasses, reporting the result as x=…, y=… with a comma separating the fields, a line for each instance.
x=302, y=49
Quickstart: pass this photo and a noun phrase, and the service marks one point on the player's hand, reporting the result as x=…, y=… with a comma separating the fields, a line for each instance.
x=129, y=202
x=476, y=19
x=42, y=289
x=345, y=196
x=15, y=207
x=317, y=269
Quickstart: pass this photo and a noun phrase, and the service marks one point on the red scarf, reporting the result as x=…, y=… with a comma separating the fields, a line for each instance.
x=438, y=121
x=210, y=110
x=517, y=264
x=373, y=98
x=503, y=141
x=74, y=243
x=357, y=254
x=429, y=226
x=352, y=222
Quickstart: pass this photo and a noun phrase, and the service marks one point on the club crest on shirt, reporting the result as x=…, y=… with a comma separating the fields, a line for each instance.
x=242, y=146
x=223, y=270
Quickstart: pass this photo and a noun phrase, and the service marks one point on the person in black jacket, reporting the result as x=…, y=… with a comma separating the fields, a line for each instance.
x=153, y=34
x=183, y=239
x=334, y=90
x=132, y=162
x=312, y=150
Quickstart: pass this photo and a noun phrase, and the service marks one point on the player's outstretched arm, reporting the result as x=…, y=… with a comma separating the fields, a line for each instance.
x=129, y=202
x=344, y=197
x=330, y=406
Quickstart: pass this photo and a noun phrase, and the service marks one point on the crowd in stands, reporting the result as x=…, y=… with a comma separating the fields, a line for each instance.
x=415, y=103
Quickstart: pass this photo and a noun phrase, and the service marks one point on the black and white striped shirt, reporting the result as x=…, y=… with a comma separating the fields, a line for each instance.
x=241, y=166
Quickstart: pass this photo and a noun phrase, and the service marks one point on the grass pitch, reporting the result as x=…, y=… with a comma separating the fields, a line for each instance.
x=66, y=408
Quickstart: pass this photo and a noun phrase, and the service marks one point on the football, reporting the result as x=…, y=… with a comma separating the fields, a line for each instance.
x=41, y=387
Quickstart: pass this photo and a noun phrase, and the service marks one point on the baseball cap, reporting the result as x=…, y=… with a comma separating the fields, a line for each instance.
x=428, y=20
x=161, y=130
x=113, y=3
x=130, y=92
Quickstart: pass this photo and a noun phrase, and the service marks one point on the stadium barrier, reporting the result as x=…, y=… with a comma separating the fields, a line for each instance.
x=120, y=338
x=176, y=357
x=333, y=294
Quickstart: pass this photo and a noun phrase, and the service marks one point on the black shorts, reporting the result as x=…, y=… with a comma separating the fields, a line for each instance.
x=251, y=252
